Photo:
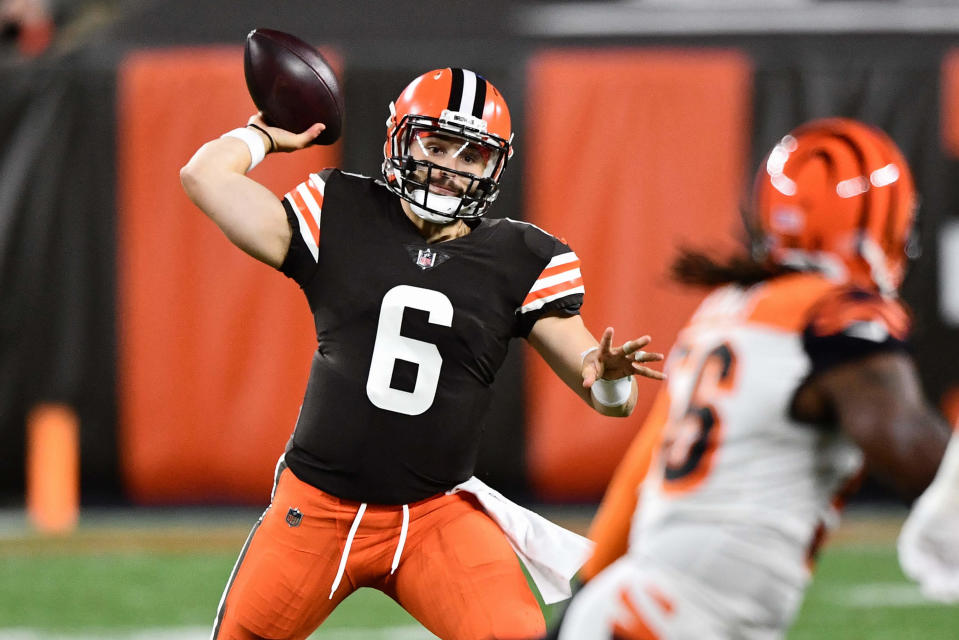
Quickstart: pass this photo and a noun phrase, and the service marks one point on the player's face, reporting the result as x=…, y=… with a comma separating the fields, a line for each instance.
x=450, y=152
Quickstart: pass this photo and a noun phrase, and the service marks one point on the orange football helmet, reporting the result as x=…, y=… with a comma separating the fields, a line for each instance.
x=455, y=103
x=837, y=195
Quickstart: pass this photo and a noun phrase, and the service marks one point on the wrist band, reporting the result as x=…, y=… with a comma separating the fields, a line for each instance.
x=267, y=134
x=612, y=393
x=253, y=142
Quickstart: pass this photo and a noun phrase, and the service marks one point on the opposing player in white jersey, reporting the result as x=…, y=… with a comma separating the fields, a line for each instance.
x=790, y=379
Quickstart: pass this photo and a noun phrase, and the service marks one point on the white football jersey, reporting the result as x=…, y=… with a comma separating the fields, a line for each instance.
x=739, y=494
x=734, y=495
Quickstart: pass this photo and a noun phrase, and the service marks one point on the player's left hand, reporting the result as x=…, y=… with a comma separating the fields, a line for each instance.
x=609, y=362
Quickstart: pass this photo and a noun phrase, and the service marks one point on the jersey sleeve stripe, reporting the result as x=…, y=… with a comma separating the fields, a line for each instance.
x=564, y=263
x=561, y=276
x=306, y=232
x=563, y=258
x=543, y=292
x=532, y=304
x=314, y=202
x=841, y=318
x=560, y=268
x=303, y=210
x=307, y=201
x=319, y=184
x=569, y=275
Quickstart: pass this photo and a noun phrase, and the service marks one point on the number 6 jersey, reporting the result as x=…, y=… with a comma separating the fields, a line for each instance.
x=740, y=493
x=410, y=335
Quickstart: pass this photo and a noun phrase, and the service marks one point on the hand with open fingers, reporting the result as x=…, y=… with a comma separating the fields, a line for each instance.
x=281, y=139
x=611, y=363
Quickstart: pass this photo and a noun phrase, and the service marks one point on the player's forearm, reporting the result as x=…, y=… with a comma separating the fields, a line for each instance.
x=906, y=447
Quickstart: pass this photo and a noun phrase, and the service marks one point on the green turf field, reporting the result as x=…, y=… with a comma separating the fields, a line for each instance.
x=162, y=579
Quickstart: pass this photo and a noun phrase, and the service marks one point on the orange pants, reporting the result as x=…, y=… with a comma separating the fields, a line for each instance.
x=457, y=573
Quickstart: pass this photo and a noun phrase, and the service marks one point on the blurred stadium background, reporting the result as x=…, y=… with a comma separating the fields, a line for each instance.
x=150, y=373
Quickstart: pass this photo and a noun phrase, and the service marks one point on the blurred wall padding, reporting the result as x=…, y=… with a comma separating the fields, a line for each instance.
x=608, y=130
x=950, y=103
x=214, y=346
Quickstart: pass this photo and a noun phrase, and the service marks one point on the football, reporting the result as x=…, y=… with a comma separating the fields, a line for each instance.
x=292, y=84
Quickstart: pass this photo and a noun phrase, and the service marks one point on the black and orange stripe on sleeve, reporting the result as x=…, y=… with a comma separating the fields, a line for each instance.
x=849, y=324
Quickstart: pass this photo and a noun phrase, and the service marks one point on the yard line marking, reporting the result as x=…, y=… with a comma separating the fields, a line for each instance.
x=879, y=594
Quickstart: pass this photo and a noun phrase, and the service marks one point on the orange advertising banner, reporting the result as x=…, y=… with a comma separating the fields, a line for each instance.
x=629, y=153
x=949, y=95
x=214, y=346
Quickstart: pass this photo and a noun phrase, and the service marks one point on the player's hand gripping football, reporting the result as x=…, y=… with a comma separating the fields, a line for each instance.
x=609, y=362
x=283, y=140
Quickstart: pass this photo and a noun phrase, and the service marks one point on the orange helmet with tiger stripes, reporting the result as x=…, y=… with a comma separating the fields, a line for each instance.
x=451, y=102
x=837, y=195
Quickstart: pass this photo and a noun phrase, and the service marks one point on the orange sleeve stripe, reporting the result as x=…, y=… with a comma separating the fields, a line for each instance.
x=554, y=290
x=835, y=318
x=305, y=214
x=317, y=194
x=560, y=268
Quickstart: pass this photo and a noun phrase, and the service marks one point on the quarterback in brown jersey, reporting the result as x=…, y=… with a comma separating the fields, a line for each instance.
x=416, y=297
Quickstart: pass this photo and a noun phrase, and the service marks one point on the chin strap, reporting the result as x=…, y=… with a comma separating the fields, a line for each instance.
x=429, y=216
x=446, y=205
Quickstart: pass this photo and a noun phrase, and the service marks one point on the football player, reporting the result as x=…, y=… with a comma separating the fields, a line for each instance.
x=791, y=378
x=416, y=297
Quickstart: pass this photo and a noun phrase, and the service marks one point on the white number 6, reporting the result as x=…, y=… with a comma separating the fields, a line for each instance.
x=390, y=346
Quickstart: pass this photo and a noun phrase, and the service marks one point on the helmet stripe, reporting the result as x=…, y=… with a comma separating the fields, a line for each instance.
x=467, y=93
x=860, y=156
x=892, y=217
x=456, y=90
x=479, y=100
x=867, y=210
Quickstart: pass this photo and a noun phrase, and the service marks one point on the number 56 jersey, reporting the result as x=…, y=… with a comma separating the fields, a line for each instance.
x=739, y=492
x=410, y=335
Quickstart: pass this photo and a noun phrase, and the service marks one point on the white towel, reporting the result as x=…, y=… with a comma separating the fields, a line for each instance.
x=551, y=554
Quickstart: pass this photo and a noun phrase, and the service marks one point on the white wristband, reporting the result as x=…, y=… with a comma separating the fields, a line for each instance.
x=612, y=393
x=582, y=356
x=253, y=142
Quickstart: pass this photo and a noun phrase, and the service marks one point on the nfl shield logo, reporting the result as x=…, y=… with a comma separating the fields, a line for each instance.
x=293, y=517
x=426, y=258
